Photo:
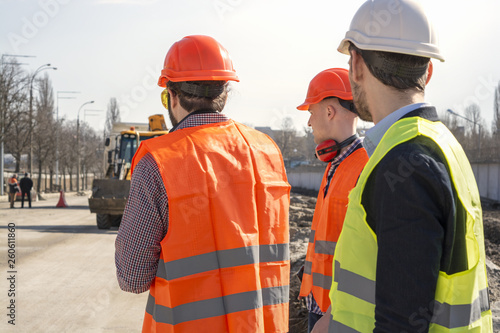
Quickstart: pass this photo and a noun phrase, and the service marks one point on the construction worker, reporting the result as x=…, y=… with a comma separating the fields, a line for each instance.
x=13, y=189
x=205, y=228
x=411, y=254
x=333, y=121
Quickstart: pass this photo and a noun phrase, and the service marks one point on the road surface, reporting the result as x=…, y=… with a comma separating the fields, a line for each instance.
x=63, y=278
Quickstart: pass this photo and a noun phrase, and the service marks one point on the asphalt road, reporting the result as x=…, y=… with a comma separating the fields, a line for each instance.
x=63, y=278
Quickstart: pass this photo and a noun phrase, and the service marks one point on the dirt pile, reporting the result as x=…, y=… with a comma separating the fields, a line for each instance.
x=301, y=213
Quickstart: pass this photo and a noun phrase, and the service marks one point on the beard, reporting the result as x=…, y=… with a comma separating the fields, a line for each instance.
x=173, y=121
x=359, y=98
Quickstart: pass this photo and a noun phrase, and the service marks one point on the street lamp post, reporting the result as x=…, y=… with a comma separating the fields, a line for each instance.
x=475, y=123
x=57, y=128
x=38, y=70
x=78, y=145
x=2, y=124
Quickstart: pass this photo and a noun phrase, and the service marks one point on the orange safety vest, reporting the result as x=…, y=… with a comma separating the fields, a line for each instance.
x=326, y=226
x=224, y=263
x=12, y=184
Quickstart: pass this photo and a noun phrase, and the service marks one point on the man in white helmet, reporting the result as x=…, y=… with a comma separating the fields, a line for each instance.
x=410, y=257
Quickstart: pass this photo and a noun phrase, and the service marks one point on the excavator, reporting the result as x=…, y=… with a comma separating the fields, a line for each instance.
x=110, y=194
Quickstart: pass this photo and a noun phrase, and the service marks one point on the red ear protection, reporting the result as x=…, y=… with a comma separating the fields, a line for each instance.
x=327, y=150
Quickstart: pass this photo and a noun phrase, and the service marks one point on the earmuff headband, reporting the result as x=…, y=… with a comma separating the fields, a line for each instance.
x=327, y=150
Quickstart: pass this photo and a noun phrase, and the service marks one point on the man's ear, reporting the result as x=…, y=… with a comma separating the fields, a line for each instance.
x=430, y=70
x=330, y=110
x=174, y=99
x=356, y=66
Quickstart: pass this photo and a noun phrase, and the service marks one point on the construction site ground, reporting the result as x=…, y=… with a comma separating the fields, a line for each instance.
x=64, y=268
x=302, y=205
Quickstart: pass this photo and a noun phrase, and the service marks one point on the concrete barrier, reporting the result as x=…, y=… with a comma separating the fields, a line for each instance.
x=306, y=177
x=488, y=180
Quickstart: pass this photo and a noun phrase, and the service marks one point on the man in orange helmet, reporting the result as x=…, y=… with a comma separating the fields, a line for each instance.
x=333, y=121
x=205, y=229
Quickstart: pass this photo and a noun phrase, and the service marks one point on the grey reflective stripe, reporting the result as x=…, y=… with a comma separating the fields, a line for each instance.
x=222, y=259
x=311, y=236
x=444, y=314
x=354, y=284
x=337, y=327
x=322, y=281
x=459, y=315
x=215, y=307
x=308, y=267
x=325, y=247
x=484, y=300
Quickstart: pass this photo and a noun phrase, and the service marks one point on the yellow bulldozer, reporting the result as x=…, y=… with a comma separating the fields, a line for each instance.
x=110, y=194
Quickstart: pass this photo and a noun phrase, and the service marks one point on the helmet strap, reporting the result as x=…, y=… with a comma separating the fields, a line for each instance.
x=349, y=105
x=391, y=67
x=208, y=91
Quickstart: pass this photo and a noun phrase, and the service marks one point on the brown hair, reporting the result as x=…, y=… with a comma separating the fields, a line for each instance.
x=396, y=70
x=200, y=95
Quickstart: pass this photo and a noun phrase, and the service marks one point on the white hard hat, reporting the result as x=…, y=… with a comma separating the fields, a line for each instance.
x=397, y=26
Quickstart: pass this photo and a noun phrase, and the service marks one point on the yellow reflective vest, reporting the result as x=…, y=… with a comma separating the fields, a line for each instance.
x=461, y=299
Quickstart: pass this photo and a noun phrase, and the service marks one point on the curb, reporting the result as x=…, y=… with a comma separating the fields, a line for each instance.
x=5, y=198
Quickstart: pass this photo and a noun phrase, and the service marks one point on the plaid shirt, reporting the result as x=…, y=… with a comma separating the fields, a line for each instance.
x=145, y=219
x=311, y=304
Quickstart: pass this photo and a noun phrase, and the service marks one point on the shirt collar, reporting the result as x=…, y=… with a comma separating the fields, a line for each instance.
x=347, y=151
x=198, y=118
x=376, y=133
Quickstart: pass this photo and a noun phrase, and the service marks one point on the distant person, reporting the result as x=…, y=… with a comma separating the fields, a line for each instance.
x=205, y=228
x=333, y=120
x=26, y=185
x=411, y=255
x=13, y=189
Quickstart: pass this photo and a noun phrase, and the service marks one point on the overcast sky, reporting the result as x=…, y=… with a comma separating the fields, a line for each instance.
x=116, y=48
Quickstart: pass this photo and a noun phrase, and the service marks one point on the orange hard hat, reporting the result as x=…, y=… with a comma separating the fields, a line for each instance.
x=197, y=58
x=333, y=82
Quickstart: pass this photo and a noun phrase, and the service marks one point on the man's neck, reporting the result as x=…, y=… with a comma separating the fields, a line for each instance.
x=384, y=101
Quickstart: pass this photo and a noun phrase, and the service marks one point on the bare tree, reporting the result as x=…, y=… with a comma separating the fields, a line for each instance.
x=453, y=123
x=43, y=132
x=112, y=115
x=17, y=137
x=68, y=153
x=496, y=111
x=92, y=152
x=13, y=99
x=308, y=146
x=285, y=137
x=473, y=112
